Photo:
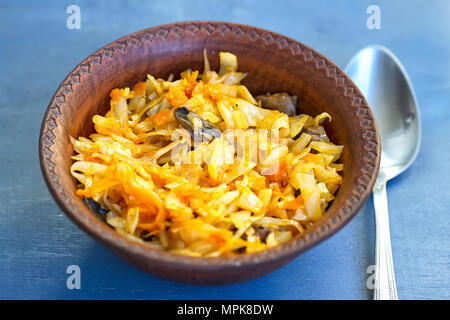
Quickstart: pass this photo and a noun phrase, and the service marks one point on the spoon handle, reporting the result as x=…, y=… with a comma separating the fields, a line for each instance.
x=385, y=287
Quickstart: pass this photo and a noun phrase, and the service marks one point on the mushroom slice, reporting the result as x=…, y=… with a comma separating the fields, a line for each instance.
x=200, y=129
x=282, y=102
x=317, y=134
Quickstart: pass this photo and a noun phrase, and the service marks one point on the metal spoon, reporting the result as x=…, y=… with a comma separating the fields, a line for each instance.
x=384, y=82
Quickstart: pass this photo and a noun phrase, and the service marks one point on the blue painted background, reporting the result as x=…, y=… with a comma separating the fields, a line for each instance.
x=38, y=242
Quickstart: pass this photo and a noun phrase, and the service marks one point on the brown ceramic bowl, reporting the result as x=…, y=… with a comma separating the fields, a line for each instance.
x=273, y=63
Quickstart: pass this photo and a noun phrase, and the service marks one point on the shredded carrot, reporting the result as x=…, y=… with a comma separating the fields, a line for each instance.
x=176, y=96
x=280, y=175
x=294, y=204
x=115, y=95
x=140, y=87
x=161, y=117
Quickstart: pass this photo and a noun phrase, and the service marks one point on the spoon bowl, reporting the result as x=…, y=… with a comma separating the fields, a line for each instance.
x=384, y=82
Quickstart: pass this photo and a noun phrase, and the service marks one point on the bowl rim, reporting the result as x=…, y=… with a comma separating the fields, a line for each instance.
x=321, y=230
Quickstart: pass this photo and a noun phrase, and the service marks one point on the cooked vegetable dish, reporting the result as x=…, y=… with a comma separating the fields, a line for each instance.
x=199, y=167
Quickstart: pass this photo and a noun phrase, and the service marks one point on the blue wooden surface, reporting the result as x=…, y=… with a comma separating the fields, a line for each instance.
x=38, y=242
